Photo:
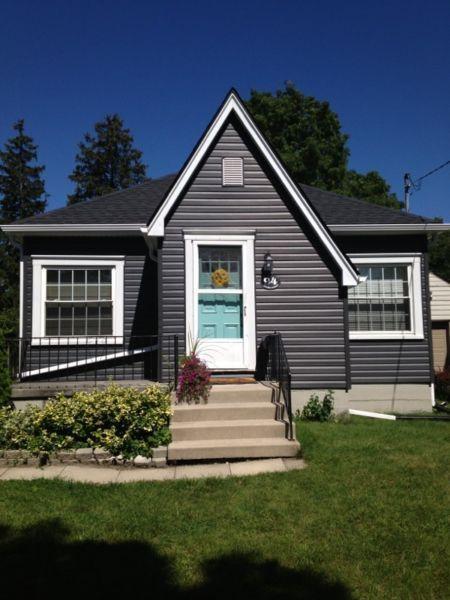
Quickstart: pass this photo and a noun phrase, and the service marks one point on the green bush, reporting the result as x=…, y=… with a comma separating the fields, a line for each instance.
x=123, y=420
x=316, y=410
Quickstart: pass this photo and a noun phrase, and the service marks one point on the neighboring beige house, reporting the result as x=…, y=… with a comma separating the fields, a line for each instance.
x=440, y=317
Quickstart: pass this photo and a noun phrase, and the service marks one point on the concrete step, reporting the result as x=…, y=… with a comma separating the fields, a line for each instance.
x=223, y=411
x=232, y=448
x=228, y=429
x=251, y=392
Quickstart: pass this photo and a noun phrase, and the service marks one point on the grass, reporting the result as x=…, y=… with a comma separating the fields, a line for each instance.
x=368, y=518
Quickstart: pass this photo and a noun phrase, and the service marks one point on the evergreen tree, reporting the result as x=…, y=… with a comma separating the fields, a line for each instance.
x=22, y=194
x=106, y=161
x=22, y=188
x=307, y=135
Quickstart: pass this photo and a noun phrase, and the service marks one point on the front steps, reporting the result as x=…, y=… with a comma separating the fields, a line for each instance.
x=237, y=422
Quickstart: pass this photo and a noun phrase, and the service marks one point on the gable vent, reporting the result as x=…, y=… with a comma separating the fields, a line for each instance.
x=232, y=171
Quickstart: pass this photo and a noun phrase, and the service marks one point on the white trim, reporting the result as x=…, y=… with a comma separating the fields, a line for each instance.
x=38, y=286
x=78, y=257
x=413, y=260
x=233, y=104
x=192, y=242
x=21, y=272
x=388, y=229
x=62, y=228
x=88, y=361
x=373, y=415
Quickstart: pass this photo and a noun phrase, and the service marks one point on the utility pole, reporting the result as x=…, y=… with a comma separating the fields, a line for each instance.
x=407, y=183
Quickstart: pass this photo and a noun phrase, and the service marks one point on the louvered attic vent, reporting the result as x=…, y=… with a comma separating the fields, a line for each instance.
x=232, y=171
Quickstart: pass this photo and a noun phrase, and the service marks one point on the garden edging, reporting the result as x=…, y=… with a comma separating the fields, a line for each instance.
x=86, y=456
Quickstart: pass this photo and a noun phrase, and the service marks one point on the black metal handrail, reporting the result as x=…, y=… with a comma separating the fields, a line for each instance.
x=83, y=357
x=278, y=372
x=172, y=357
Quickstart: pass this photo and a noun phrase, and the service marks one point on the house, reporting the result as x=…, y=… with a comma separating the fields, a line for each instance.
x=440, y=319
x=229, y=250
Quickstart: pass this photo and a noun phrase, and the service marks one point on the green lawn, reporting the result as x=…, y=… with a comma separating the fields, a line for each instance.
x=368, y=518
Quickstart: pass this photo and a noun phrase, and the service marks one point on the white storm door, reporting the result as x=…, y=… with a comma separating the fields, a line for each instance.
x=220, y=300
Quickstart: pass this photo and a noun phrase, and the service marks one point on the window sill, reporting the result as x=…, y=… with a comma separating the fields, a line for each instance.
x=78, y=341
x=384, y=335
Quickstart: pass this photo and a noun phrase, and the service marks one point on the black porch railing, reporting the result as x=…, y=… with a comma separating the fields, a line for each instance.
x=278, y=372
x=83, y=358
x=173, y=359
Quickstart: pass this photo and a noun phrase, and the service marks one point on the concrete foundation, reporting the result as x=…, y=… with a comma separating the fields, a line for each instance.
x=402, y=398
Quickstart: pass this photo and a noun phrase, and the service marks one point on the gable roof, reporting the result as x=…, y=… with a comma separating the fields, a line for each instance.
x=233, y=106
x=137, y=204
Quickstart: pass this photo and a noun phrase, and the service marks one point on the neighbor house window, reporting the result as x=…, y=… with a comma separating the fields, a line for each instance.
x=78, y=301
x=233, y=171
x=388, y=302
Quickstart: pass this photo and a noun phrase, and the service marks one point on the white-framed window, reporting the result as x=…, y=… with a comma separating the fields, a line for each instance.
x=77, y=300
x=233, y=170
x=388, y=303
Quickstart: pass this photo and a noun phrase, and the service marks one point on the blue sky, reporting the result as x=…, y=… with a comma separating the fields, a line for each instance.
x=165, y=67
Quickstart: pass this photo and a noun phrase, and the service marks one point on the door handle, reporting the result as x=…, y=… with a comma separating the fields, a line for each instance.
x=245, y=311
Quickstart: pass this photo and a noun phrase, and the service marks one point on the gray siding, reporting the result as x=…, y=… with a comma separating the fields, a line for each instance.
x=140, y=307
x=391, y=361
x=306, y=309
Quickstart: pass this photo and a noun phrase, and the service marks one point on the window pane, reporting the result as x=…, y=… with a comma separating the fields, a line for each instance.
x=92, y=276
x=106, y=312
x=106, y=327
x=65, y=292
x=65, y=276
x=92, y=292
x=52, y=311
x=52, y=276
x=66, y=327
x=79, y=292
x=92, y=327
x=79, y=276
x=51, y=327
x=52, y=292
x=79, y=327
x=381, y=303
x=105, y=292
x=220, y=267
x=105, y=276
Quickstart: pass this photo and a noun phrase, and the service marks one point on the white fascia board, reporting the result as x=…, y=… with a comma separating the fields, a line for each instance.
x=389, y=229
x=68, y=229
x=156, y=226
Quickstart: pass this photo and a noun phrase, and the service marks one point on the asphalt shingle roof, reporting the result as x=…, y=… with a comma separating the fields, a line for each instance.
x=138, y=204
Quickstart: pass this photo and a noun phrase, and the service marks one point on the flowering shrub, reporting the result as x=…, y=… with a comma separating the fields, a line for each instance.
x=194, y=380
x=122, y=420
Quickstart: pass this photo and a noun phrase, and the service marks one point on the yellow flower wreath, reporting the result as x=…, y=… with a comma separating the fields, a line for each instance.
x=220, y=277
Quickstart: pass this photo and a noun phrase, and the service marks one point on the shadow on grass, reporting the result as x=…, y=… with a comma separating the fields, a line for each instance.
x=41, y=562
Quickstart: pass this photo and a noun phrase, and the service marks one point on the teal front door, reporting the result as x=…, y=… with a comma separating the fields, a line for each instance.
x=220, y=316
x=223, y=286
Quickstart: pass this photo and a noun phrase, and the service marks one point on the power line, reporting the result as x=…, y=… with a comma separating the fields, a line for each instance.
x=416, y=184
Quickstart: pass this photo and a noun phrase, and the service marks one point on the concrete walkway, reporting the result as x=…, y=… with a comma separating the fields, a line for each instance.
x=91, y=474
